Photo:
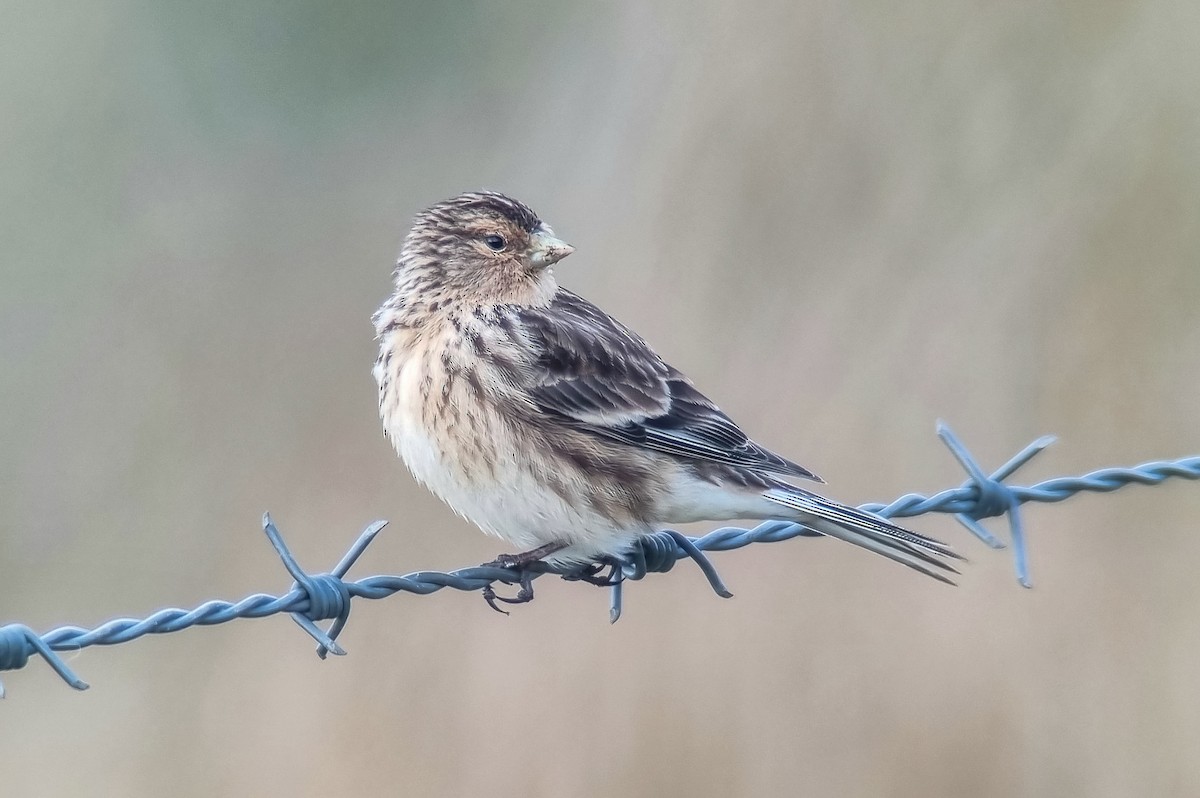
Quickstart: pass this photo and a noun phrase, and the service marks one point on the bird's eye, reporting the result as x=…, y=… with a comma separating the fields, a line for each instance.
x=495, y=243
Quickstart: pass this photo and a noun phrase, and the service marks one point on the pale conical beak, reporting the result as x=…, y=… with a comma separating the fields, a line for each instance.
x=548, y=250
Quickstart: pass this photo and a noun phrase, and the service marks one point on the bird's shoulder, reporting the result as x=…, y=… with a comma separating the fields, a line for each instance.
x=590, y=371
x=574, y=336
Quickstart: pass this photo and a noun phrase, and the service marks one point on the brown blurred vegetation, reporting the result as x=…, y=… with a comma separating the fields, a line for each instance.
x=845, y=220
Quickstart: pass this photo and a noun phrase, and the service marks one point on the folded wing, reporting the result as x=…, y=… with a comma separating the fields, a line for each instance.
x=597, y=375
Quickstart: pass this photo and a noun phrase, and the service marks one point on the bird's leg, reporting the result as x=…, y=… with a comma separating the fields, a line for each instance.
x=529, y=563
x=525, y=557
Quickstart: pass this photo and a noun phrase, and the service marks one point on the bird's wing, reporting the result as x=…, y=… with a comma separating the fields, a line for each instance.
x=595, y=374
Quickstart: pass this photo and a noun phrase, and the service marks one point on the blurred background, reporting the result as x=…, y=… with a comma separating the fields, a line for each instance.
x=844, y=220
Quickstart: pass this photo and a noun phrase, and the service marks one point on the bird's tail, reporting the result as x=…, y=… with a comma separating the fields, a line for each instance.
x=867, y=530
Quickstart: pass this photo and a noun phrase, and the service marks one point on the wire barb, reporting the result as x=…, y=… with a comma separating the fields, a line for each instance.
x=993, y=497
x=654, y=553
x=18, y=641
x=326, y=595
x=318, y=597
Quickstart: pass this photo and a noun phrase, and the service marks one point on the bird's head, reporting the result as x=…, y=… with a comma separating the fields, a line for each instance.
x=481, y=247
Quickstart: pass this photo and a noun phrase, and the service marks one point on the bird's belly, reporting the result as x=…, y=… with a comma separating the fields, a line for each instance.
x=508, y=499
x=487, y=471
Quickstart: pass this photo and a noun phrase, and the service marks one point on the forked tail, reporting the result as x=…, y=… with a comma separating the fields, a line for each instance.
x=868, y=531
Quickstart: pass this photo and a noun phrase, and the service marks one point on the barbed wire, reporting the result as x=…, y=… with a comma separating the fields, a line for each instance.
x=327, y=596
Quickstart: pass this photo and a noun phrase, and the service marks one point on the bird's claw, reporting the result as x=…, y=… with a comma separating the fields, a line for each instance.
x=524, y=595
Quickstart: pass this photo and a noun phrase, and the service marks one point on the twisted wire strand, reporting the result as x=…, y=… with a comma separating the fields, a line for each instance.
x=327, y=596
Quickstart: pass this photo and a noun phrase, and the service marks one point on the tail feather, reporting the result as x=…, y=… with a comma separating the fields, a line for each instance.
x=868, y=531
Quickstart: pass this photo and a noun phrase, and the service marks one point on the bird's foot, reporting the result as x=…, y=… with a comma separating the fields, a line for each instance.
x=529, y=564
x=595, y=573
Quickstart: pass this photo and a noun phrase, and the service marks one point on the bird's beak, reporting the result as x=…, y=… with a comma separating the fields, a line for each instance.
x=548, y=250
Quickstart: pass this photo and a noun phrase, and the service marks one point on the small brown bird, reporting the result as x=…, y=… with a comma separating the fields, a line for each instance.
x=551, y=425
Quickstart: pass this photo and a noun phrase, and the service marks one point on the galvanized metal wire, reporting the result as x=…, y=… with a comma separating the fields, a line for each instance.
x=313, y=598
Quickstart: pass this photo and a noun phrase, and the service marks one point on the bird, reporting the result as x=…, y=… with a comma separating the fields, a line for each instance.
x=552, y=426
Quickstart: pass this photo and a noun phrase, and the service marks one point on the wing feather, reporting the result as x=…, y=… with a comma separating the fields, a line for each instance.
x=594, y=373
